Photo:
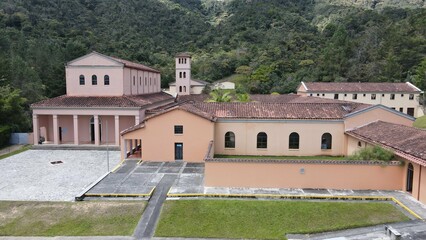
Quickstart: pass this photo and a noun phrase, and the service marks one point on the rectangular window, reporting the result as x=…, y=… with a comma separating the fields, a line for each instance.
x=393, y=108
x=383, y=95
x=336, y=96
x=346, y=94
x=411, y=97
x=364, y=95
x=402, y=95
x=318, y=94
x=410, y=111
x=392, y=96
x=178, y=129
x=354, y=96
x=401, y=109
x=373, y=96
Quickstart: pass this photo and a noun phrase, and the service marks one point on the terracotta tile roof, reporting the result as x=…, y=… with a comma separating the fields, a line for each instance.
x=253, y=110
x=408, y=142
x=137, y=101
x=267, y=98
x=134, y=65
x=339, y=87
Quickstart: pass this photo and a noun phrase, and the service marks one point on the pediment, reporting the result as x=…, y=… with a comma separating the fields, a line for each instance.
x=94, y=59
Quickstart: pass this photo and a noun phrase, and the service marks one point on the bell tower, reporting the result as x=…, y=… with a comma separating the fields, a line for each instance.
x=183, y=74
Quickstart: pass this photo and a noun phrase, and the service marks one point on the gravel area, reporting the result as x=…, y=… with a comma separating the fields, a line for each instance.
x=31, y=176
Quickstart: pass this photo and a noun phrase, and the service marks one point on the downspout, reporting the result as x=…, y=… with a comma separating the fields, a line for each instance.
x=420, y=177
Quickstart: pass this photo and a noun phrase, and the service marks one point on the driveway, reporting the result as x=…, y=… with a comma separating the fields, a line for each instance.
x=32, y=176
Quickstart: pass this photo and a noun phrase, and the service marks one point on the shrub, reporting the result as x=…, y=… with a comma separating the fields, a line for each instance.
x=373, y=153
x=4, y=135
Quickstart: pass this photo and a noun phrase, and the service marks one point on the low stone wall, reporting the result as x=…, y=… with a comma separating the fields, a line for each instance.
x=333, y=174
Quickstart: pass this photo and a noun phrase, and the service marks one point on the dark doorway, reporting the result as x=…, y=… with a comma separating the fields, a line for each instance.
x=410, y=174
x=178, y=151
x=92, y=130
x=60, y=134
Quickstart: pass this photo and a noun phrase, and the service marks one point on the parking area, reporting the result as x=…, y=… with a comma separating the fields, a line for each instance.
x=138, y=180
x=52, y=175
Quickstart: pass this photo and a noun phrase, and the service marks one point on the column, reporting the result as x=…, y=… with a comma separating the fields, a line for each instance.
x=36, y=133
x=96, y=122
x=55, y=130
x=75, y=122
x=117, y=129
x=125, y=149
x=137, y=120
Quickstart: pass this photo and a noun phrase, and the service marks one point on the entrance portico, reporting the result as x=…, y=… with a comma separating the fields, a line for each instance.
x=100, y=128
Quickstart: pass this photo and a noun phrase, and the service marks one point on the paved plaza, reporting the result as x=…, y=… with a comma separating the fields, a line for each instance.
x=52, y=175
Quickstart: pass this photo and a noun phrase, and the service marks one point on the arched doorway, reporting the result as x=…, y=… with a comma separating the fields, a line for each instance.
x=410, y=174
x=92, y=129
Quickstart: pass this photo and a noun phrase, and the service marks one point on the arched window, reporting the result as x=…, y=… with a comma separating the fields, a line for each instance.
x=180, y=74
x=293, y=141
x=180, y=88
x=262, y=140
x=229, y=140
x=185, y=60
x=82, y=81
x=134, y=82
x=410, y=174
x=94, y=80
x=184, y=88
x=179, y=60
x=326, y=141
x=184, y=74
x=106, y=80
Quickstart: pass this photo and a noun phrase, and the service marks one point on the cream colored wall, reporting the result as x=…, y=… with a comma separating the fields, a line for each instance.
x=158, y=138
x=374, y=115
x=282, y=175
x=126, y=81
x=197, y=89
x=310, y=133
x=381, y=98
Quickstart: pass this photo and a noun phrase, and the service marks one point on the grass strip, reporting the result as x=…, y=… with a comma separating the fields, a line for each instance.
x=268, y=219
x=23, y=149
x=93, y=218
x=420, y=122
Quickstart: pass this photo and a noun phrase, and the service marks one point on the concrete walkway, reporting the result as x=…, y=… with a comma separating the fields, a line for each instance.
x=148, y=222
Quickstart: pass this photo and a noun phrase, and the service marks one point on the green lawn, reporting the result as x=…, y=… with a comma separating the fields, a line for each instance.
x=268, y=219
x=420, y=122
x=90, y=218
x=23, y=149
x=283, y=157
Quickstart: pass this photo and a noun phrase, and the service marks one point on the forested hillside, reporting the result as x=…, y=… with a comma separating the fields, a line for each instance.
x=270, y=45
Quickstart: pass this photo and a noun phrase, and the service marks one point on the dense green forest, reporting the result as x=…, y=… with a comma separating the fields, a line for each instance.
x=266, y=46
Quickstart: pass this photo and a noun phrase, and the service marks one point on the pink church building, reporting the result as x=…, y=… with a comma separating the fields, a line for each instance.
x=104, y=96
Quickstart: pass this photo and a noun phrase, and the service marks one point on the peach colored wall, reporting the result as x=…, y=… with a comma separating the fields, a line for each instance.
x=419, y=182
x=310, y=133
x=66, y=123
x=43, y=121
x=126, y=122
x=352, y=145
x=374, y=115
x=282, y=175
x=75, y=89
x=158, y=138
x=84, y=131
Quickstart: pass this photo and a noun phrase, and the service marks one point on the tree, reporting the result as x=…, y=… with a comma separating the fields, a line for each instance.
x=220, y=95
